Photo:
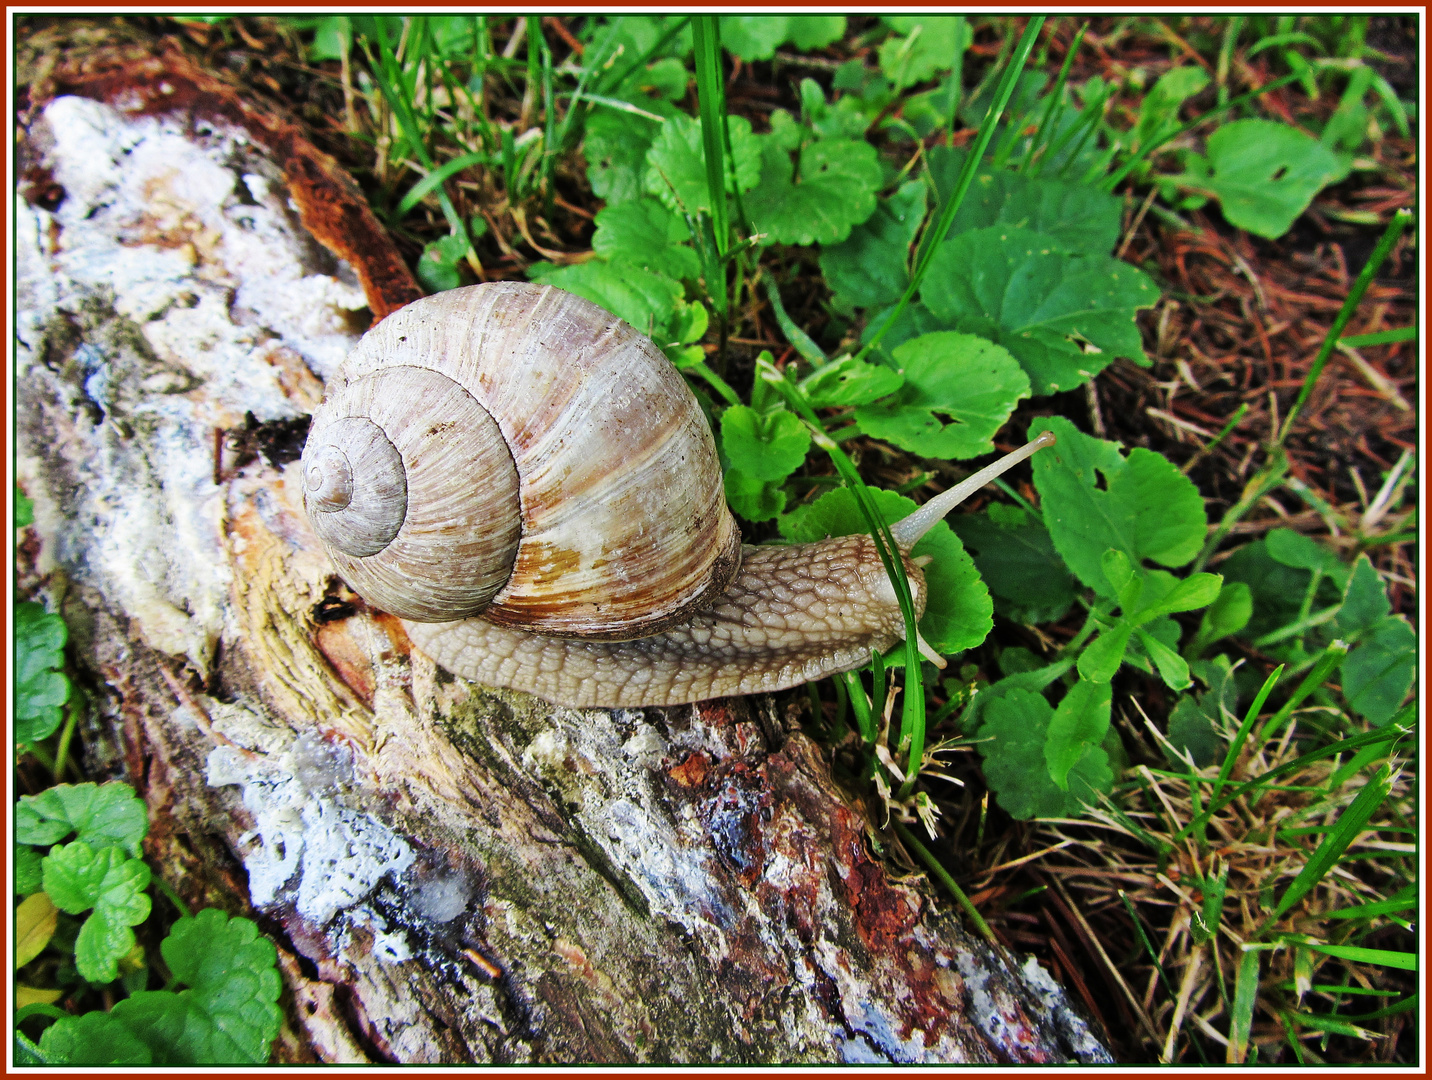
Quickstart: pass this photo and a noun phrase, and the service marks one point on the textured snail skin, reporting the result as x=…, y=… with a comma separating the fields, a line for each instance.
x=794, y=614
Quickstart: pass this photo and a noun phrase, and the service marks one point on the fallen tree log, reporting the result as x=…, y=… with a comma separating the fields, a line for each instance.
x=452, y=873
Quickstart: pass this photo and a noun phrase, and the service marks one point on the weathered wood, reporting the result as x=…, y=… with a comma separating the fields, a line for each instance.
x=453, y=874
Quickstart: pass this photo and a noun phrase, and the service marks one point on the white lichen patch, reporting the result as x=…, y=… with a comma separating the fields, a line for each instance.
x=175, y=251
x=305, y=848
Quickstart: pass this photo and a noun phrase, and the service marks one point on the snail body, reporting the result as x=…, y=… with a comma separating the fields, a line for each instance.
x=532, y=487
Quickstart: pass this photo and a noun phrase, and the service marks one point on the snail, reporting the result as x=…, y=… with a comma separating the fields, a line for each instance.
x=531, y=486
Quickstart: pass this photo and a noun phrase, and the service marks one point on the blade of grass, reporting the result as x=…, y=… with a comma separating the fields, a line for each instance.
x=1245, y=996
x=1056, y=98
x=1331, y=658
x=1236, y=746
x=1350, y=823
x=1402, y=961
x=912, y=717
x=1382, y=337
x=419, y=190
x=710, y=103
x=1400, y=221
x=1003, y=91
x=803, y=343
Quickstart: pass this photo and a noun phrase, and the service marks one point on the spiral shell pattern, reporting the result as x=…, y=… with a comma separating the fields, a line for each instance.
x=514, y=450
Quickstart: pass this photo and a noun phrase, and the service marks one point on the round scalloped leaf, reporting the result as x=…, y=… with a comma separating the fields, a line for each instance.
x=959, y=390
x=1064, y=317
x=834, y=191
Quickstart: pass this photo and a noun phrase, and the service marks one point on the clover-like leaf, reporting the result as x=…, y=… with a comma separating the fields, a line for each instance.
x=40, y=688
x=98, y=814
x=642, y=232
x=1017, y=560
x=1191, y=729
x=1264, y=174
x=868, y=268
x=833, y=192
x=1365, y=604
x=676, y=163
x=957, y=608
x=1013, y=738
x=959, y=390
x=808, y=32
x=1378, y=673
x=1064, y=317
x=1146, y=508
x=27, y=870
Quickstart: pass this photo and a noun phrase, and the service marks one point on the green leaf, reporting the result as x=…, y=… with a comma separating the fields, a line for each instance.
x=1227, y=615
x=1119, y=573
x=927, y=44
x=27, y=870
x=95, y=1038
x=615, y=144
x=869, y=268
x=1264, y=174
x=764, y=447
x=1190, y=594
x=957, y=608
x=229, y=1016
x=833, y=192
x=807, y=32
x=645, y=299
x=1189, y=728
x=1365, y=603
x=849, y=381
x=752, y=499
x=77, y=877
x=1146, y=508
x=1402, y=961
x=24, y=509
x=1102, y=656
x=1080, y=218
x=676, y=163
x=1079, y=724
x=1277, y=589
x=1064, y=317
x=959, y=390
x=1378, y=673
x=40, y=689
x=642, y=232
x=437, y=267
x=1013, y=737
x=753, y=37
x=1016, y=558
x=1158, y=115
x=99, y=814
x=1172, y=668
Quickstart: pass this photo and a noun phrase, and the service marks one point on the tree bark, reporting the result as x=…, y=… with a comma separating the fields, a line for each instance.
x=451, y=873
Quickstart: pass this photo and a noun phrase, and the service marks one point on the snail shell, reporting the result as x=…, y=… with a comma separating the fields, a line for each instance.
x=513, y=450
